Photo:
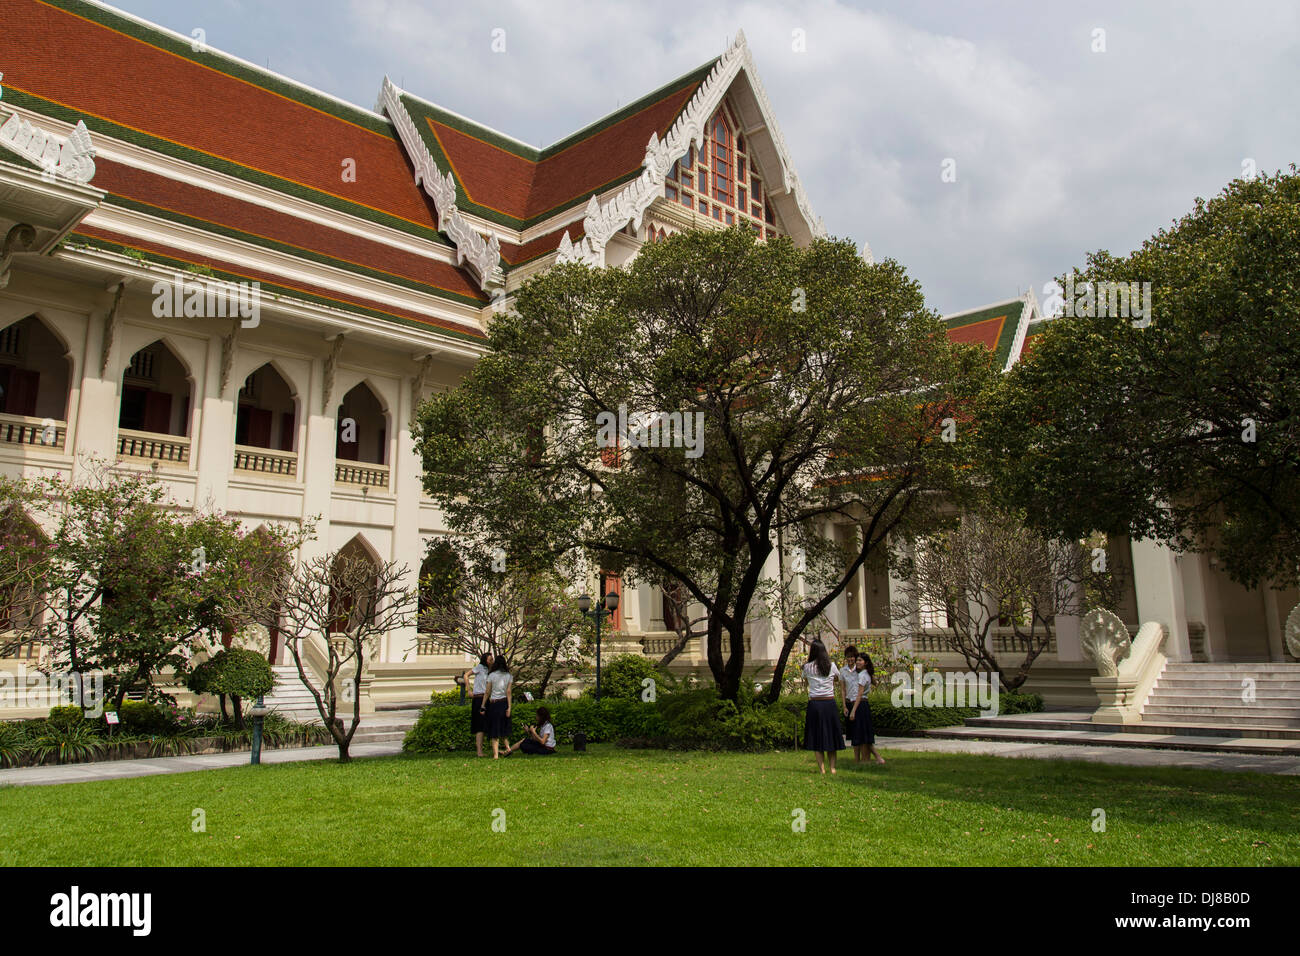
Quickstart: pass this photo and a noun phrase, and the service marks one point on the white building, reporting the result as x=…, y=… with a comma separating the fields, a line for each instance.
x=137, y=166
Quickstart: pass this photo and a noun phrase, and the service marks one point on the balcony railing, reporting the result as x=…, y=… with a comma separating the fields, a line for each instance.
x=1003, y=639
x=429, y=645
x=172, y=449
x=361, y=473
x=21, y=430
x=266, y=461
x=657, y=645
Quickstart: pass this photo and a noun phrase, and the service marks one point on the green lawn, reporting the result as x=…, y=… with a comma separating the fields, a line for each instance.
x=612, y=806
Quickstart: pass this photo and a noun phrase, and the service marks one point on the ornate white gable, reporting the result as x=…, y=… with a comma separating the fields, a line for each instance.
x=483, y=256
x=629, y=204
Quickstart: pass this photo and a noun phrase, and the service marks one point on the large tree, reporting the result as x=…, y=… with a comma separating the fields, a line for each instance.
x=810, y=385
x=1187, y=427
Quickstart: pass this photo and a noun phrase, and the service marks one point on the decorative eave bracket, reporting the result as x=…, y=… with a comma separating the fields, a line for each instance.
x=481, y=256
x=629, y=204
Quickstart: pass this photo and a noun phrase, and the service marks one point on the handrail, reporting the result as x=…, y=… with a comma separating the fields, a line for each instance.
x=25, y=430
x=153, y=445
x=1124, y=693
x=266, y=461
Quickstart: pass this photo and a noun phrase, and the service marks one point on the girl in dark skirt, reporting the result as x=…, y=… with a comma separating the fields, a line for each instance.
x=497, y=696
x=540, y=739
x=864, y=735
x=821, y=728
x=477, y=681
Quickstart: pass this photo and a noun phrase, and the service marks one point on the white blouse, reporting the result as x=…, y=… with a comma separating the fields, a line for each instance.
x=819, y=686
x=498, y=684
x=850, y=678
x=480, y=680
x=547, y=733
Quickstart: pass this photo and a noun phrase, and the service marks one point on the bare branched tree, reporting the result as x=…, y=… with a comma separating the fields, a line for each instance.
x=989, y=571
x=528, y=617
x=336, y=606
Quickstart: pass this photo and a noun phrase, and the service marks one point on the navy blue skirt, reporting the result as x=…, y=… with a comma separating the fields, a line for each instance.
x=860, y=729
x=821, y=726
x=477, y=719
x=498, y=723
x=531, y=746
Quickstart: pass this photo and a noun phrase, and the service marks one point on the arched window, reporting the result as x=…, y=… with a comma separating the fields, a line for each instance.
x=348, y=607
x=266, y=415
x=362, y=427
x=155, y=392
x=34, y=375
x=440, y=575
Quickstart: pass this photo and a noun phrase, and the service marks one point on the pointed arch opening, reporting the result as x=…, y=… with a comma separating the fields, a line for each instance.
x=154, y=417
x=266, y=424
x=351, y=604
x=35, y=381
x=21, y=608
x=361, y=446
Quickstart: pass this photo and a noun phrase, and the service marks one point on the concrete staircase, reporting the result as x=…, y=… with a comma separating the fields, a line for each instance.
x=1215, y=695
x=1193, y=706
x=290, y=697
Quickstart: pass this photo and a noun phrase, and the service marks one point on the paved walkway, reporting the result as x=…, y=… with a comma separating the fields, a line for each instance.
x=1121, y=756
x=1128, y=757
x=120, y=769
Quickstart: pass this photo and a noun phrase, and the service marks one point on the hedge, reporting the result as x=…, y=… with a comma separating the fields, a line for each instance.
x=695, y=719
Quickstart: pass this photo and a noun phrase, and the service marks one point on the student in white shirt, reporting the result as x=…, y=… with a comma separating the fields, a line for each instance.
x=497, y=696
x=822, y=732
x=864, y=735
x=476, y=679
x=849, y=684
x=541, y=737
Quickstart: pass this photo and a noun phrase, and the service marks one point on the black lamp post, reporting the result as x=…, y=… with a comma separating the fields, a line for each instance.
x=258, y=713
x=599, y=612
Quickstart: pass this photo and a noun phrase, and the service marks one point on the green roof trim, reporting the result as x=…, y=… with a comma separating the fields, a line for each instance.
x=1011, y=308
x=76, y=239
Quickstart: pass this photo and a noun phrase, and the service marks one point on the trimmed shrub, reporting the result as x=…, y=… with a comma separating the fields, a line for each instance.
x=233, y=672
x=446, y=728
x=66, y=715
x=150, y=720
x=447, y=698
x=621, y=678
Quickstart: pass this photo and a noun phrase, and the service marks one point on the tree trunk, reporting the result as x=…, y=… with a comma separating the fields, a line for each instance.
x=225, y=717
x=239, y=711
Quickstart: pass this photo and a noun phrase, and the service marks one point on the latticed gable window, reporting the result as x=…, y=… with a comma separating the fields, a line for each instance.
x=720, y=180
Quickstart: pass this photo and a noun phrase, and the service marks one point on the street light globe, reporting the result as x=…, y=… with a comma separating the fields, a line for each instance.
x=584, y=603
x=611, y=600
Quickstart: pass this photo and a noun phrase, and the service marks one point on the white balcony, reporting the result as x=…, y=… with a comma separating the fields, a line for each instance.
x=149, y=446
x=42, y=432
x=266, y=461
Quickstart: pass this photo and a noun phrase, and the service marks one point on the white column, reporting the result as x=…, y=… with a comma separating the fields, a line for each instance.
x=95, y=431
x=767, y=631
x=909, y=624
x=317, y=462
x=406, y=472
x=216, y=436
x=1159, y=584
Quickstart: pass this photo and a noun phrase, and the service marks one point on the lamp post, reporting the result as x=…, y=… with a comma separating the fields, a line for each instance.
x=599, y=612
x=258, y=713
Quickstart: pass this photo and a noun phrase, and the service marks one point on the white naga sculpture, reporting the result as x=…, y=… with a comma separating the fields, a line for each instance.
x=1104, y=640
x=1292, y=632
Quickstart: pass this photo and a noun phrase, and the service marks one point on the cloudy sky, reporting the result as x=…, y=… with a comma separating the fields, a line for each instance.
x=1070, y=127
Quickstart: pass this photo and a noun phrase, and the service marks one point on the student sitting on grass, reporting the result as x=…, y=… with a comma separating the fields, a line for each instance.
x=540, y=739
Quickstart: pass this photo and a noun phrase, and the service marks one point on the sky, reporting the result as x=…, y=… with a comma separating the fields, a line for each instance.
x=986, y=146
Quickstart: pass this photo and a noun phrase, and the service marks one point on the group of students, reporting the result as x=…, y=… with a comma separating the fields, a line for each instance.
x=492, y=693
x=822, y=732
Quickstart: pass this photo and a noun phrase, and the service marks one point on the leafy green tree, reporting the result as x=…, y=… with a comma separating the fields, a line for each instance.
x=1187, y=428
x=236, y=673
x=788, y=387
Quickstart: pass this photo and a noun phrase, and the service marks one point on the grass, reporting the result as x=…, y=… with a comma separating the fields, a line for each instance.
x=646, y=807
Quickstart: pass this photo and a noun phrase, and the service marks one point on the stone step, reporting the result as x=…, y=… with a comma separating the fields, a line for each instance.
x=1239, y=710
x=1228, y=687
x=1123, y=739
x=1280, y=669
x=1199, y=726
